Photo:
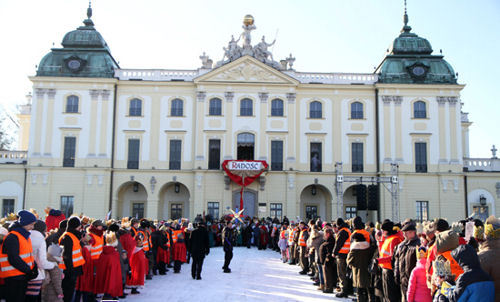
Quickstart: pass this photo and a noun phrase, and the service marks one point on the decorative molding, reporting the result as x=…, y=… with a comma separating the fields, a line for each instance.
x=200, y=96
x=94, y=94
x=441, y=100
x=445, y=184
x=105, y=94
x=291, y=182
x=229, y=95
x=262, y=182
x=397, y=99
x=51, y=93
x=263, y=96
x=386, y=99
x=247, y=72
x=39, y=92
x=291, y=97
x=152, y=183
x=455, y=185
x=200, y=157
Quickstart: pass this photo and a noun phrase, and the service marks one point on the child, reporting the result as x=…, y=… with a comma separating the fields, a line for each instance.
x=109, y=272
x=282, y=243
x=138, y=266
x=417, y=287
x=179, y=252
x=51, y=286
x=442, y=279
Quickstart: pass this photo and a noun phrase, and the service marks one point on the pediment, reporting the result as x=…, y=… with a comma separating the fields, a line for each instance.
x=246, y=70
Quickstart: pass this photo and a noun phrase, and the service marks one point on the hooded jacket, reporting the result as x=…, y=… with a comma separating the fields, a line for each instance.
x=53, y=219
x=474, y=284
x=488, y=258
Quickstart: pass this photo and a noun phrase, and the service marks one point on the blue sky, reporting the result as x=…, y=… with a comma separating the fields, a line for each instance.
x=323, y=36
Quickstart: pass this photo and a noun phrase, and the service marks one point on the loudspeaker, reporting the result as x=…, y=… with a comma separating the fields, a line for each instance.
x=373, y=197
x=361, y=198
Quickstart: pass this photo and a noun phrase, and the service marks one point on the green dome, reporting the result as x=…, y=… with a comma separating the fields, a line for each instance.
x=410, y=43
x=84, y=54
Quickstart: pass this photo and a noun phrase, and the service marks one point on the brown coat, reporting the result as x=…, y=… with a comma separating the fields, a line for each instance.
x=358, y=259
x=51, y=286
x=488, y=257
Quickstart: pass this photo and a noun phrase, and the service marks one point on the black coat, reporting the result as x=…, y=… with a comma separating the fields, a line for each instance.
x=198, y=243
x=67, y=254
x=325, y=250
x=228, y=238
x=11, y=248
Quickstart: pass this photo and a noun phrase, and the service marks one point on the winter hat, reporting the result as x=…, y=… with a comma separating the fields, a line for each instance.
x=340, y=222
x=446, y=241
x=97, y=223
x=409, y=227
x=144, y=223
x=388, y=226
x=111, y=239
x=40, y=226
x=442, y=225
x=73, y=223
x=114, y=227
x=26, y=217
x=429, y=228
x=3, y=231
x=63, y=224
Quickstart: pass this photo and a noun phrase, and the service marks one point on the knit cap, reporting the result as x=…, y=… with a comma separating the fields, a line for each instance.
x=26, y=217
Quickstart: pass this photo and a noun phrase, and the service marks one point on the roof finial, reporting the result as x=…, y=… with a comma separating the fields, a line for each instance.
x=406, y=27
x=89, y=10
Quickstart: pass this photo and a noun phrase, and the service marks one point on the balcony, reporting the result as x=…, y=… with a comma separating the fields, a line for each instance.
x=13, y=157
x=482, y=164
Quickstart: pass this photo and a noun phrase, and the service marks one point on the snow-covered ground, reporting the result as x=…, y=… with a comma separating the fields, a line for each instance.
x=256, y=276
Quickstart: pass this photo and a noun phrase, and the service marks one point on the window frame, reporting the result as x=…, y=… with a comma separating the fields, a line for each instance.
x=135, y=110
x=69, y=154
x=278, y=110
x=320, y=155
x=420, y=210
x=308, y=210
x=133, y=161
x=244, y=109
x=175, y=156
x=215, y=110
x=175, y=207
x=212, y=209
x=141, y=207
x=213, y=163
x=356, y=154
x=276, y=160
x=316, y=113
x=276, y=207
x=421, y=158
x=419, y=114
x=357, y=114
x=351, y=212
x=11, y=208
x=72, y=108
x=177, y=107
x=64, y=200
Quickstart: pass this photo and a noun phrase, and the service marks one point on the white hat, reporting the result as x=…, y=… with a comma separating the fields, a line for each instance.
x=3, y=231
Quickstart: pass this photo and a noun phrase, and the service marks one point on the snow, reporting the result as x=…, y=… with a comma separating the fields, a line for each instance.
x=256, y=276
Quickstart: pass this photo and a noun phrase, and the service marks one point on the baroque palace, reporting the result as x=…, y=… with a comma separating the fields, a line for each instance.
x=150, y=143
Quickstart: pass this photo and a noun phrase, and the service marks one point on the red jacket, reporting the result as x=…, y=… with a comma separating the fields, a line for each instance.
x=85, y=282
x=138, y=268
x=53, y=219
x=109, y=273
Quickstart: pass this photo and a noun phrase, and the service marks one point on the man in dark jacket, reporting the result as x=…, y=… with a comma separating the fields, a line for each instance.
x=327, y=261
x=16, y=285
x=341, y=256
x=71, y=273
x=199, y=248
x=474, y=284
x=158, y=241
x=228, y=242
x=405, y=257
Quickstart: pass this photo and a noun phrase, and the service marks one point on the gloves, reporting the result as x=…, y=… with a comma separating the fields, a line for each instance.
x=33, y=273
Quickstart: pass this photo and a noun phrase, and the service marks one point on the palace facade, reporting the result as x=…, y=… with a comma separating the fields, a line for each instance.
x=150, y=143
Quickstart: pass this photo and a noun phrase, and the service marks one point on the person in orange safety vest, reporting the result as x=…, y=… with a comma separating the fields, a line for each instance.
x=392, y=239
x=302, y=245
x=340, y=251
x=72, y=257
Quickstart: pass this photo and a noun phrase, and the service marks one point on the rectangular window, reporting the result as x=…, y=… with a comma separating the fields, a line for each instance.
x=350, y=212
x=133, y=154
x=69, y=151
x=176, y=211
x=213, y=209
x=138, y=210
x=276, y=210
x=276, y=155
x=421, y=157
x=67, y=205
x=422, y=211
x=214, y=154
x=311, y=212
x=7, y=207
x=315, y=157
x=175, y=154
x=357, y=157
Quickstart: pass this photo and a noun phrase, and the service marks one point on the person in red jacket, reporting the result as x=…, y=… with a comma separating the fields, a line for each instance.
x=85, y=284
x=54, y=217
x=138, y=266
x=108, y=273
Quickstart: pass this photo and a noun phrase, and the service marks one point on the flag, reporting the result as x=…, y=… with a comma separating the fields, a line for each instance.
x=108, y=216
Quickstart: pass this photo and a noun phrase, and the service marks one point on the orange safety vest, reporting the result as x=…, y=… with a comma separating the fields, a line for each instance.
x=364, y=233
x=25, y=252
x=96, y=248
x=302, y=241
x=145, y=244
x=175, y=235
x=291, y=234
x=456, y=269
x=385, y=252
x=283, y=234
x=133, y=231
x=347, y=244
x=77, y=255
x=149, y=239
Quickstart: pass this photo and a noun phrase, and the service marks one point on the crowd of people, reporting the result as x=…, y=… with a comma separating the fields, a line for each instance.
x=81, y=259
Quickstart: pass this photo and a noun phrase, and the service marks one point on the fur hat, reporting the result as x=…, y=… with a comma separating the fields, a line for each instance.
x=429, y=228
x=446, y=241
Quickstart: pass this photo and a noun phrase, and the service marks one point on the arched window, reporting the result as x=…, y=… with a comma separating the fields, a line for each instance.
x=135, y=108
x=72, y=104
x=176, y=109
x=215, y=107
x=246, y=107
x=246, y=143
x=315, y=110
x=277, y=107
x=356, y=110
x=419, y=110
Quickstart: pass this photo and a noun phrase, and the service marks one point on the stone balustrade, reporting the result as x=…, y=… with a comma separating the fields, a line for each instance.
x=13, y=157
x=482, y=164
x=334, y=78
x=158, y=74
